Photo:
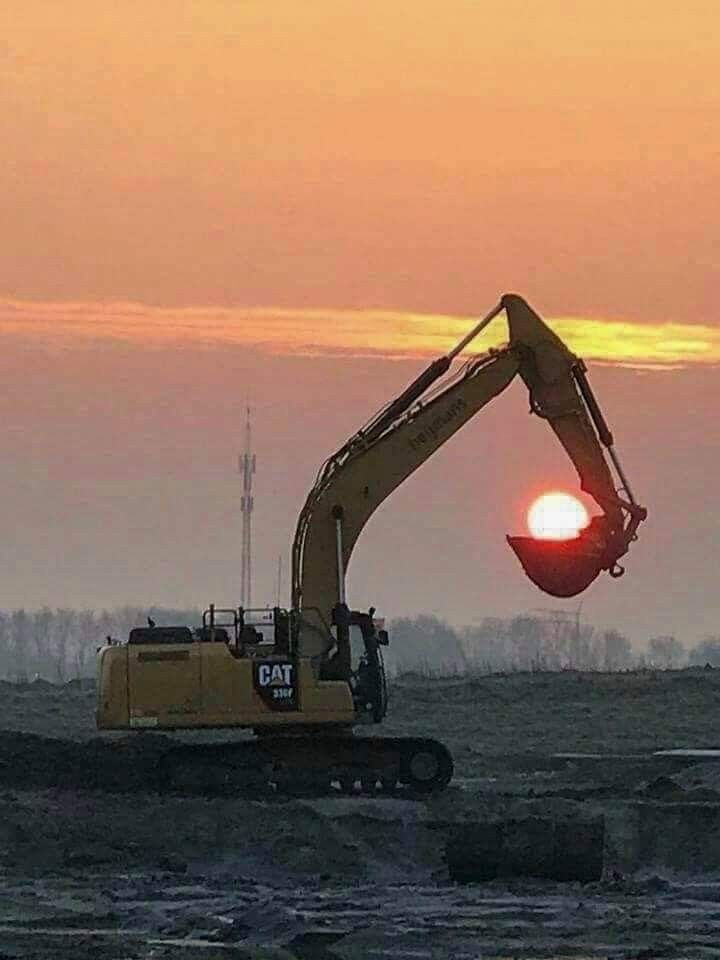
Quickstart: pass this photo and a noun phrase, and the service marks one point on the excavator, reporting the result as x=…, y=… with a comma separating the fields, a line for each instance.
x=303, y=679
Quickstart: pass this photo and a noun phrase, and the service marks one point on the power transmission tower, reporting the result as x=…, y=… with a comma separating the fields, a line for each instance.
x=567, y=622
x=246, y=463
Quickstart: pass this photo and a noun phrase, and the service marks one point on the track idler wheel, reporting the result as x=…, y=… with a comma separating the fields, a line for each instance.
x=426, y=766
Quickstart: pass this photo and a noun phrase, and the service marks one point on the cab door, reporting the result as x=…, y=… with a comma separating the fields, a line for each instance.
x=164, y=684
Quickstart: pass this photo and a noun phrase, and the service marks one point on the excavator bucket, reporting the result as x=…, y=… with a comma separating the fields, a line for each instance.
x=562, y=568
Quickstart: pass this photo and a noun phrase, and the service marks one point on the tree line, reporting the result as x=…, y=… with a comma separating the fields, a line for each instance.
x=552, y=640
x=59, y=645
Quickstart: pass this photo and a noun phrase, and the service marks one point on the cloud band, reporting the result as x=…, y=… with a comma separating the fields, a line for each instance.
x=353, y=333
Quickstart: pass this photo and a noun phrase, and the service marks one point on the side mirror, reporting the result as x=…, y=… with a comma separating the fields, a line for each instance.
x=383, y=638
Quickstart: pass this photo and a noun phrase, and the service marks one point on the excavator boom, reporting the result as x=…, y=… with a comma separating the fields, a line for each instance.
x=401, y=437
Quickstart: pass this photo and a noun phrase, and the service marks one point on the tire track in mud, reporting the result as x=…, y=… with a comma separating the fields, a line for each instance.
x=140, y=917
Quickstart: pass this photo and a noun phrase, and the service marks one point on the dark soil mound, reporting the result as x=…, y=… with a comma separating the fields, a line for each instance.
x=32, y=762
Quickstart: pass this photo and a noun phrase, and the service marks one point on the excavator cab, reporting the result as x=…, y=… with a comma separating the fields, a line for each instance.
x=356, y=657
x=368, y=681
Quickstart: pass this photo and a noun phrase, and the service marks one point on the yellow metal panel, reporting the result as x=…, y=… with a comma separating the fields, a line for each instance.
x=229, y=697
x=174, y=686
x=164, y=684
x=112, y=688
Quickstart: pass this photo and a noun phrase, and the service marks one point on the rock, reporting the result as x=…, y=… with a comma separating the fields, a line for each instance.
x=316, y=944
x=172, y=864
x=703, y=795
x=94, y=855
x=534, y=847
x=662, y=788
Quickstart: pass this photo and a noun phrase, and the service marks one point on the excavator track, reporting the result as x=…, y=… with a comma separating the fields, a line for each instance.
x=264, y=768
x=309, y=766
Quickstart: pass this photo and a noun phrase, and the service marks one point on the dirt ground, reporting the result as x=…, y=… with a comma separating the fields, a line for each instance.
x=92, y=873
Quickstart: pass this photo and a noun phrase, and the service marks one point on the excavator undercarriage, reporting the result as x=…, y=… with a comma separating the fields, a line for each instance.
x=241, y=652
x=310, y=763
x=302, y=679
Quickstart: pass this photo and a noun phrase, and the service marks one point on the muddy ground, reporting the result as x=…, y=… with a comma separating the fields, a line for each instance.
x=92, y=873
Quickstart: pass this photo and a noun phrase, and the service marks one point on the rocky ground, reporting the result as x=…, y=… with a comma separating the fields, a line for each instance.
x=109, y=874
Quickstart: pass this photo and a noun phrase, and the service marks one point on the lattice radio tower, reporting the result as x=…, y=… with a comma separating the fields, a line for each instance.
x=246, y=463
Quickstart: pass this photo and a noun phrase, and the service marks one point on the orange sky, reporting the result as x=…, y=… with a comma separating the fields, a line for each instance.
x=415, y=155
x=294, y=194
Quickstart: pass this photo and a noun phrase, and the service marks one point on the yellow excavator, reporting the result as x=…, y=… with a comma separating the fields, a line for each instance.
x=301, y=679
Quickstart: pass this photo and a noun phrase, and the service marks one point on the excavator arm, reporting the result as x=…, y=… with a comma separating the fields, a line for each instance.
x=402, y=436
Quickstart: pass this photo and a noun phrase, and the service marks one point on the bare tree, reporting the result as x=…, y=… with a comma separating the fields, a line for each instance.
x=527, y=637
x=666, y=652
x=486, y=645
x=425, y=643
x=616, y=651
x=707, y=652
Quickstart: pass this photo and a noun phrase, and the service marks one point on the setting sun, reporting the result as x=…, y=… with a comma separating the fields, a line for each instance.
x=557, y=516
